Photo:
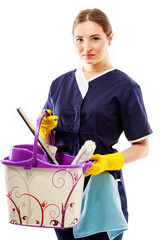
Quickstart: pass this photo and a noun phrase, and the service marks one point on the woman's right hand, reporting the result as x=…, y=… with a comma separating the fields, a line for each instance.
x=48, y=123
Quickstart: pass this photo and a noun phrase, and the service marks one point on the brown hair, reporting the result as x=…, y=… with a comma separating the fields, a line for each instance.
x=95, y=15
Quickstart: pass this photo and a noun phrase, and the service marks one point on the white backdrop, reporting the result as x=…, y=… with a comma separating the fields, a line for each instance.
x=36, y=47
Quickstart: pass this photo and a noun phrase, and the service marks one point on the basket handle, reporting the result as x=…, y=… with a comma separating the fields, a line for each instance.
x=43, y=114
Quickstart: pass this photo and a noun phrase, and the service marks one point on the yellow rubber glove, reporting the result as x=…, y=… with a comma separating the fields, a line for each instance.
x=109, y=162
x=48, y=123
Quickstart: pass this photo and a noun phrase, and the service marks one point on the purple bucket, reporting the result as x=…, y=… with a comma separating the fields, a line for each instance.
x=40, y=193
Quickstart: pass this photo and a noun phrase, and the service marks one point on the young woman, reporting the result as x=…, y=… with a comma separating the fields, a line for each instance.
x=97, y=102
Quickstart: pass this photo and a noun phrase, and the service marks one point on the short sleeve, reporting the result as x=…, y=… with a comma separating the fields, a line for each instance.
x=53, y=93
x=134, y=117
x=49, y=103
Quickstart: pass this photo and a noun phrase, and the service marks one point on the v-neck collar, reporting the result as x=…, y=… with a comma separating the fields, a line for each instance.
x=98, y=75
x=83, y=83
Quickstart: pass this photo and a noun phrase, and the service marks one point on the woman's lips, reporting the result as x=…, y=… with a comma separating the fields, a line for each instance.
x=89, y=55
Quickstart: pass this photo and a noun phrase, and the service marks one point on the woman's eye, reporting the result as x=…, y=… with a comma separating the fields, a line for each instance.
x=79, y=39
x=95, y=39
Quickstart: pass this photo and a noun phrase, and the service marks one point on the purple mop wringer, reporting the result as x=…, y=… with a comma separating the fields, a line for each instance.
x=40, y=193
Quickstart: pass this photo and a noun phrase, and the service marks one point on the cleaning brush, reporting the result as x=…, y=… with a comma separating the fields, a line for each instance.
x=85, y=152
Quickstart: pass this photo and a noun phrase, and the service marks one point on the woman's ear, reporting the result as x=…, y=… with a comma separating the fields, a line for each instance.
x=110, y=38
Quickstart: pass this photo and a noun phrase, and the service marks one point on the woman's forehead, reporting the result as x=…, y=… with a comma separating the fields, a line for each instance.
x=88, y=28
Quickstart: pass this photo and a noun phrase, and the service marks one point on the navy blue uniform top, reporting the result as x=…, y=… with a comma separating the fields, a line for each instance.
x=113, y=104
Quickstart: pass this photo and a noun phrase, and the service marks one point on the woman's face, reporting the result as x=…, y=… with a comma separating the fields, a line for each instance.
x=91, y=42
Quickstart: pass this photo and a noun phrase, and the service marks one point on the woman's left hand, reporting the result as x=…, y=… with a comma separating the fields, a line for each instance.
x=109, y=162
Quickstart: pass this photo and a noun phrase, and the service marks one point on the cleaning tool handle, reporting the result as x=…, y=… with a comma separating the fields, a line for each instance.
x=43, y=114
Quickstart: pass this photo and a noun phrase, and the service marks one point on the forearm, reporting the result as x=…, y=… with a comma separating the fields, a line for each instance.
x=48, y=140
x=115, y=161
x=137, y=151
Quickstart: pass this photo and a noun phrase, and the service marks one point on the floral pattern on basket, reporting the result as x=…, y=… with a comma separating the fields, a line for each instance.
x=44, y=197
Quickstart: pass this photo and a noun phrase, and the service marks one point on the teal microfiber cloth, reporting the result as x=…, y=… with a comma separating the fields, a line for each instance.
x=101, y=208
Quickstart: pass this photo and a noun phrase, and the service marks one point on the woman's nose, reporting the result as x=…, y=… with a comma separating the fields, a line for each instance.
x=87, y=46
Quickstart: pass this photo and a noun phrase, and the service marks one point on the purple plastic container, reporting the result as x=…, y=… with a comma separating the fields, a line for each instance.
x=40, y=193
